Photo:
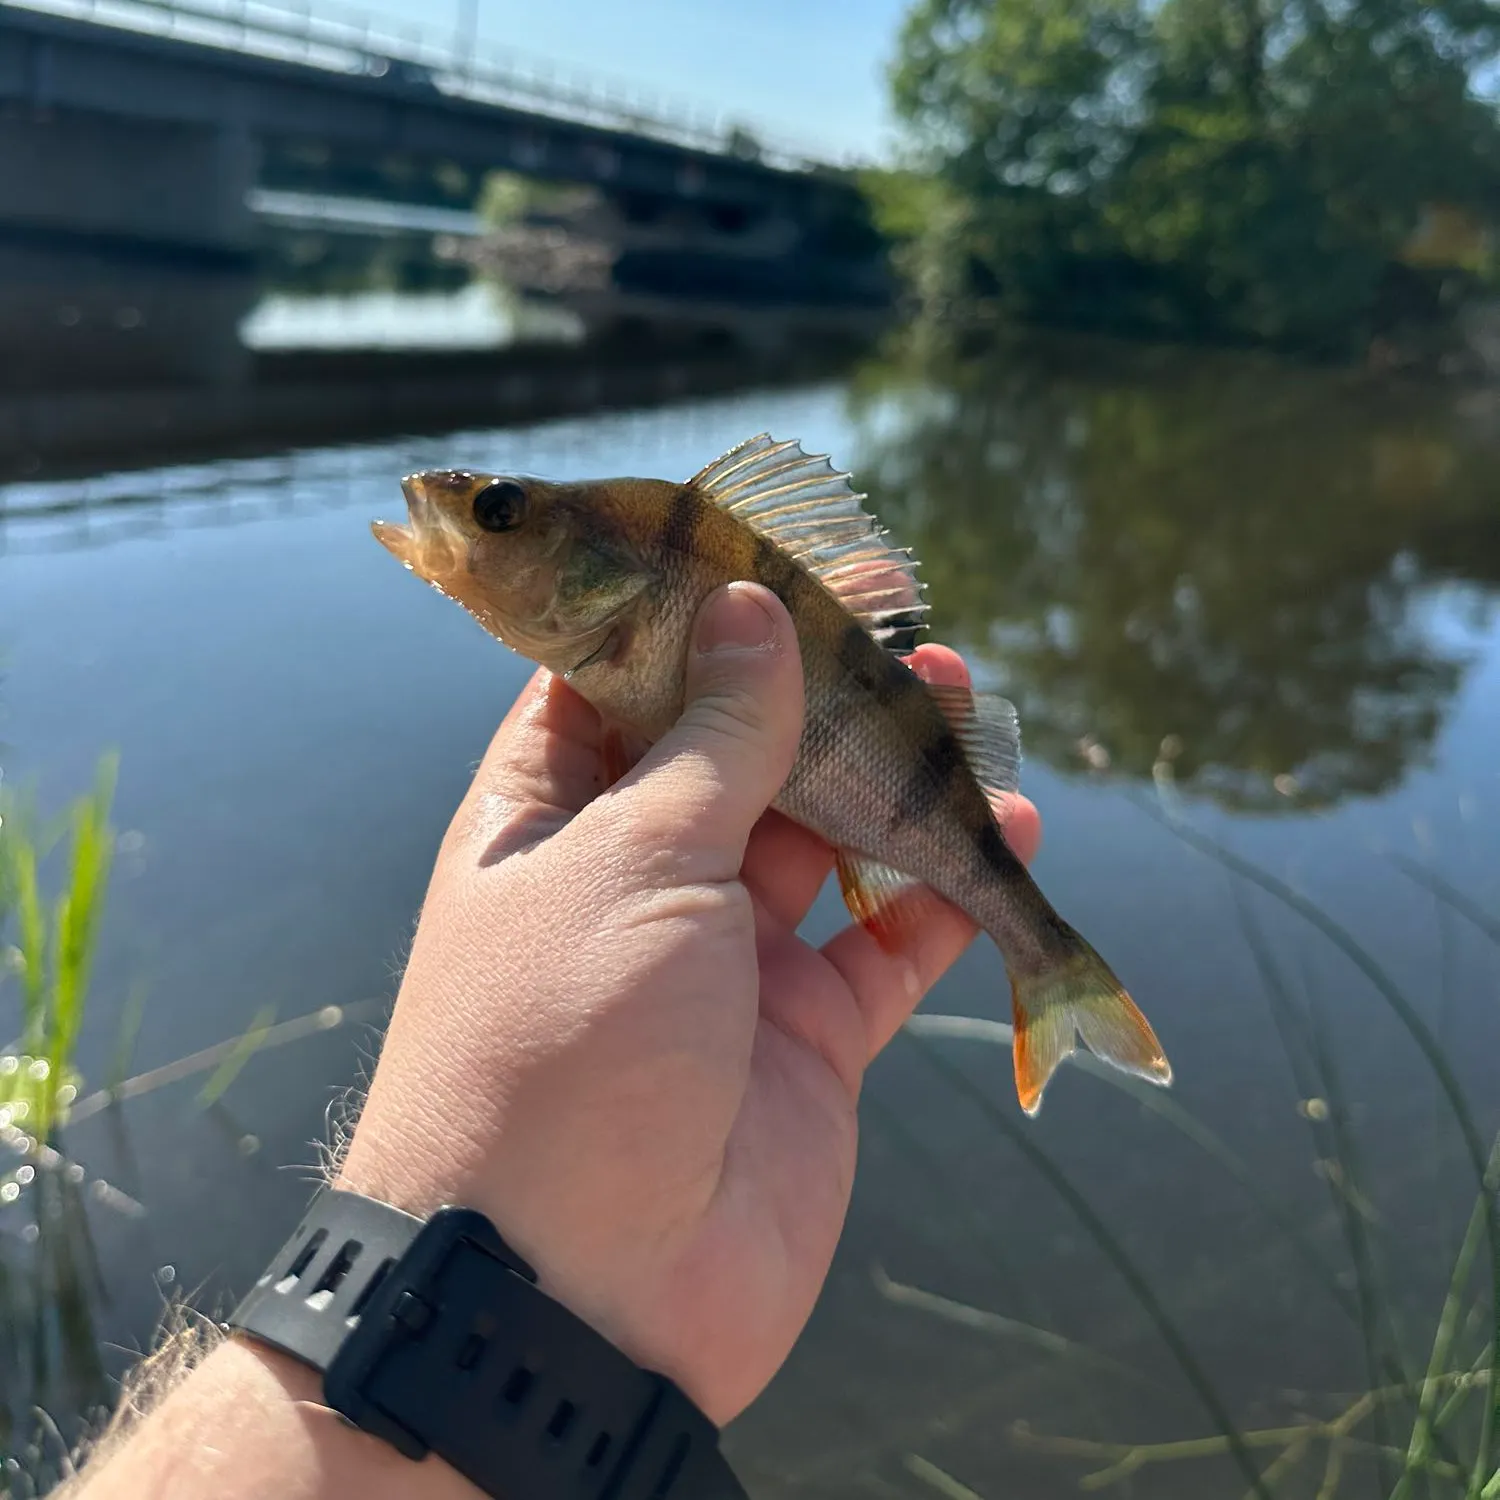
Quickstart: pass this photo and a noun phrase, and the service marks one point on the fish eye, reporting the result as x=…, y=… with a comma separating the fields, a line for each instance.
x=500, y=505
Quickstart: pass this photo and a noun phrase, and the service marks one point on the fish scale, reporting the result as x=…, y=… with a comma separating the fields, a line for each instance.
x=601, y=580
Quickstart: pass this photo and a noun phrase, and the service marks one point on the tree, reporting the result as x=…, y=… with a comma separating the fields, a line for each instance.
x=1242, y=169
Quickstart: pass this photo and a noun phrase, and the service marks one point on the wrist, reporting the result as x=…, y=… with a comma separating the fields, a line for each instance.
x=251, y=1421
x=623, y=1305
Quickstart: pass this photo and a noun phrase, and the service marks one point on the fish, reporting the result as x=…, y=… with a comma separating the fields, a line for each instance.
x=909, y=782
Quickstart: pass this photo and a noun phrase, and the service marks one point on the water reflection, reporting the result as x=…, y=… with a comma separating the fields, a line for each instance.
x=294, y=686
x=1209, y=559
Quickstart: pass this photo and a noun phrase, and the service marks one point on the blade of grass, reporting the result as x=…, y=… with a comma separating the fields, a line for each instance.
x=1318, y=1079
x=1447, y=1325
x=1000, y=1034
x=936, y=1172
x=982, y=1320
x=246, y=1045
x=1368, y=1301
x=1451, y=897
x=1449, y=1409
x=131, y=1015
x=79, y=912
x=1060, y=1183
x=31, y=932
x=940, y=1480
x=325, y=1019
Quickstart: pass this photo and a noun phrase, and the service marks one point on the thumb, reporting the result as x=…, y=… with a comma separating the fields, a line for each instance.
x=698, y=792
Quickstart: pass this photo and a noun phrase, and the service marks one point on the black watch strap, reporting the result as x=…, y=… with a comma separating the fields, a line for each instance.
x=434, y=1336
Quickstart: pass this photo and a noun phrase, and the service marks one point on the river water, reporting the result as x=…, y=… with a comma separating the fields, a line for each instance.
x=1233, y=601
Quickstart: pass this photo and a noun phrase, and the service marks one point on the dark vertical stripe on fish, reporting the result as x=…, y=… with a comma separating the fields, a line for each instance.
x=925, y=788
x=682, y=521
x=777, y=572
x=868, y=667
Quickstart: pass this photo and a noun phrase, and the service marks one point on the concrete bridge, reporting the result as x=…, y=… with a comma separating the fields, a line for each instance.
x=132, y=133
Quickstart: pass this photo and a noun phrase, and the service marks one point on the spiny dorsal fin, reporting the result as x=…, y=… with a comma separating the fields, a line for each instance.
x=990, y=732
x=805, y=507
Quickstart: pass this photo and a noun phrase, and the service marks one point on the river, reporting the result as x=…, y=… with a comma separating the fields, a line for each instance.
x=1234, y=601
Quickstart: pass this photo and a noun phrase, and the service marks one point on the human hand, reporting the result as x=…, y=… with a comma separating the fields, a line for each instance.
x=610, y=1037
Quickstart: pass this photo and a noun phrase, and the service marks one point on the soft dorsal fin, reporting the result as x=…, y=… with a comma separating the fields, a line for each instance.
x=805, y=507
x=989, y=730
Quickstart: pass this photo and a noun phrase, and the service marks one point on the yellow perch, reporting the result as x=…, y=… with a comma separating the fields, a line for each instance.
x=600, y=581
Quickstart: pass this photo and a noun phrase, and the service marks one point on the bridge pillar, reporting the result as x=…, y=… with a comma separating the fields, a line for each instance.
x=126, y=249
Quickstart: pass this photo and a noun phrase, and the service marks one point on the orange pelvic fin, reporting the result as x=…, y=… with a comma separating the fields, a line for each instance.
x=891, y=906
x=1079, y=997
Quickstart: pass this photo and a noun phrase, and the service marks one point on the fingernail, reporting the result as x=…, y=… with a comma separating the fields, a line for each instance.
x=736, y=621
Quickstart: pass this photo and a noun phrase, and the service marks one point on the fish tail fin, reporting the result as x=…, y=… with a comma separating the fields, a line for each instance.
x=1078, y=996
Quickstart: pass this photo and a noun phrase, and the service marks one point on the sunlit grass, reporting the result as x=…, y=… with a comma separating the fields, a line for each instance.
x=49, y=941
x=54, y=879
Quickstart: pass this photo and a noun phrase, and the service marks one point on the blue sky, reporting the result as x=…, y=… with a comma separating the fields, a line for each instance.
x=811, y=69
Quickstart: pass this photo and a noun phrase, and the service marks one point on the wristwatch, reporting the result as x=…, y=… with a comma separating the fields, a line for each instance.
x=433, y=1335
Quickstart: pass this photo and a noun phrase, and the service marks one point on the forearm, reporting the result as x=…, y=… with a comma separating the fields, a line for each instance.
x=250, y=1422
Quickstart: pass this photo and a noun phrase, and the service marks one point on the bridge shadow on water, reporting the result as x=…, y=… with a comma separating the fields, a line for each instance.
x=300, y=398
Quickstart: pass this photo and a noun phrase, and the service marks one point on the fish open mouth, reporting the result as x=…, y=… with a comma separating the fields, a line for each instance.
x=431, y=542
x=401, y=541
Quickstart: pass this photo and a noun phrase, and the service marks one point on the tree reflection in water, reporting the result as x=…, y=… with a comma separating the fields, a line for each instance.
x=1218, y=558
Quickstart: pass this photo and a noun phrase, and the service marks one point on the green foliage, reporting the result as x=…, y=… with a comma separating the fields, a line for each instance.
x=1248, y=170
x=51, y=949
x=507, y=199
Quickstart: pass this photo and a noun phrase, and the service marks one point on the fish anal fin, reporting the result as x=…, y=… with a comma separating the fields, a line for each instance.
x=808, y=510
x=990, y=733
x=1078, y=998
x=891, y=907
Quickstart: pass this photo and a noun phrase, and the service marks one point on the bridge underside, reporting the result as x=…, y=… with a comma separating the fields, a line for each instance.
x=128, y=249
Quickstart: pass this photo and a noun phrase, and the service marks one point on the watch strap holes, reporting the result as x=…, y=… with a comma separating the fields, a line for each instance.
x=517, y=1386
x=333, y=1277
x=303, y=1259
x=561, y=1421
x=371, y=1287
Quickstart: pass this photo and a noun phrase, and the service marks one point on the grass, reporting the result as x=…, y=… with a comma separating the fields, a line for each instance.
x=50, y=945
x=1424, y=1426
x=1427, y=1431
x=49, y=1287
x=54, y=879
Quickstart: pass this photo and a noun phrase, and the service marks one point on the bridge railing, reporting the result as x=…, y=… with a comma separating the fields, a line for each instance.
x=350, y=41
